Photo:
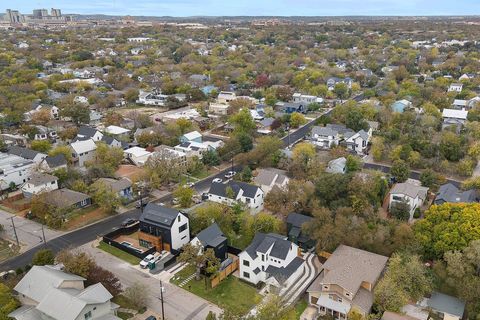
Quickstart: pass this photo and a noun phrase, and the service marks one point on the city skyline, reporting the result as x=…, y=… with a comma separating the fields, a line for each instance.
x=187, y=8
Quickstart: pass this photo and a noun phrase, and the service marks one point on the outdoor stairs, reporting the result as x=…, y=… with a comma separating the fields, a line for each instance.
x=187, y=280
x=311, y=270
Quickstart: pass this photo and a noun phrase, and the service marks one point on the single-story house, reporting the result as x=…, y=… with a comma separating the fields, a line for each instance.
x=123, y=186
x=66, y=198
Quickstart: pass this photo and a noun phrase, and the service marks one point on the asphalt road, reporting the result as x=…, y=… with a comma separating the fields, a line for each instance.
x=80, y=237
x=413, y=174
x=71, y=240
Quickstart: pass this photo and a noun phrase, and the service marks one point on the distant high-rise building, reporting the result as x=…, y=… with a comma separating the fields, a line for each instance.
x=56, y=13
x=13, y=16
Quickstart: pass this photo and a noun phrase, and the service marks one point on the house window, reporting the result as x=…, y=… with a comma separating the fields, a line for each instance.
x=397, y=198
x=83, y=203
x=145, y=244
x=88, y=315
x=263, y=257
x=246, y=275
x=246, y=263
x=182, y=228
x=178, y=218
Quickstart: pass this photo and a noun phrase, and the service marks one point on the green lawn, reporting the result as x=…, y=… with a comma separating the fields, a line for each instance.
x=232, y=294
x=119, y=253
x=300, y=306
x=124, y=315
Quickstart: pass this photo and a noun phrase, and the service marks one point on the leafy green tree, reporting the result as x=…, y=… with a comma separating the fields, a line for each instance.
x=451, y=146
x=105, y=197
x=196, y=257
x=211, y=158
x=355, y=120
x=184, y=195
x=78, y=113
x=108, y=157
x=410, y=277
x=428, y=178
x=400, y=171
x=400, y=210
x=341, y=90
x=43, y=257
x=8, y=303
x=76, y=262
x=243, y=122
x=65, y=150
x=41, y=145
x=297, y=120
x=447, y=227
x=275, y=309
x=353, y=163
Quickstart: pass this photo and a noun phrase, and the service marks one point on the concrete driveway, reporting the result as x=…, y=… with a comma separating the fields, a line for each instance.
x=178, y=303
x=29, y=232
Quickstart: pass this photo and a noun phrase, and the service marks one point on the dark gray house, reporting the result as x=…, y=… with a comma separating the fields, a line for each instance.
x=212, y=238
x=450, y=193
x=295, y=221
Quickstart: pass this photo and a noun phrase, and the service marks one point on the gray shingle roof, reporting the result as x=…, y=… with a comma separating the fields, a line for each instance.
x=219, y=189
x=23, y=152
x=38, y=178
x=157, y=214
x=282, y=274
x=297, y=219
x=446, y=304
x=450, y=193
x=211, y=236
x=64, y=198
x=87, y=131
x=348, y=267
x=410, y=190
x=56, y=161
x=114, y=184
x=262, y=242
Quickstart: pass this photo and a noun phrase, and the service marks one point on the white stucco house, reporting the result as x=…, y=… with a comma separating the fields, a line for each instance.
x=14, y=170
x=358, y=142
x=225, y=97
x=453, y=117
x=46, y=292
x=325, y=137
x=38, y=183
x=83, y=151
x=410, y=193
x=271, y=259
x=139, y=156
x=270, y=177
x=250, y=195
x=455, y=87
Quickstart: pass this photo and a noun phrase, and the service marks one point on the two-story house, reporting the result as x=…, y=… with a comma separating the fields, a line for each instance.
x=83, y=151
x=14, y=170
x=46, y=292
x=163, y=228
x=358, y=142
x=235, y=191
x=85, y=132
x=347, y=282
x=325, y=137
x=295, y=232
x=212, y=238
x=271, y=259
x=455, y=87
x=27, y=154
x=408, y=193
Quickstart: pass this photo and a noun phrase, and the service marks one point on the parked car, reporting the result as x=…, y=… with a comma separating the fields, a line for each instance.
x=150, y=318
x=148, y=259
x=217, y=180
x=141, y=203
x=204, y=196
x=128, y=222
x=190, y=184
x=197, y=199
x=230, y=174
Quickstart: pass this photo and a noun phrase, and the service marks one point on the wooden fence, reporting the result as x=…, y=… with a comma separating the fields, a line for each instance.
x=13, y=202
x=231, y=268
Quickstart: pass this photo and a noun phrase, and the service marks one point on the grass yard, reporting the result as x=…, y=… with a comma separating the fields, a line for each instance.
x=5, y=250
x=83, y=217
x=124, y=315
x=231, y=293
x=118, y=253
x=300, y=306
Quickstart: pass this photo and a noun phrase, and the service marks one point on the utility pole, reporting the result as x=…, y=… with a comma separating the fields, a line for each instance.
x=161, y=299
x=15, y=232
x=43, y=235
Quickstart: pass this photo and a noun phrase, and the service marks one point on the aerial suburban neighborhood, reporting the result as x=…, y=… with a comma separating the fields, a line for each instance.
x=222, y=165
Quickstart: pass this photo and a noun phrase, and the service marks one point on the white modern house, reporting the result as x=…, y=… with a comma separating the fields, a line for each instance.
x=218, y=109
x=38, y=183
x=137, y=155
x=347, y=283
x=14, y=169
x=226, y=96
x=117, y=132
x=409, y=193
x=453, y=117
x=271, y=259
x=46, y=292
x=304, y=98
x=325, y=137
x=83, y=151
x=235, y=191
x=455, y=87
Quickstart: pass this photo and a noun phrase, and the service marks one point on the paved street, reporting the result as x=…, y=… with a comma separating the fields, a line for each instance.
x=29, y=232
x=178, y=303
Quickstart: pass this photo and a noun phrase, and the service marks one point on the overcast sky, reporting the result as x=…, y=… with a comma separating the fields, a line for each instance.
x=182, y=8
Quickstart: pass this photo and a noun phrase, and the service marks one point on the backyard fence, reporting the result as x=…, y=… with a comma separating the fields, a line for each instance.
x=231, y=268
x=109, y=239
